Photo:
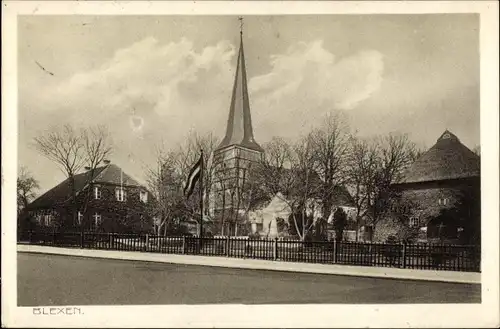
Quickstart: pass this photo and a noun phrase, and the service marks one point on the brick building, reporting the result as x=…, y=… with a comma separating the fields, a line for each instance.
x=107, y=200
x=442, y=191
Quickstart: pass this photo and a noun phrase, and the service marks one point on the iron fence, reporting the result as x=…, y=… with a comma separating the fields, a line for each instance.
x=414, y=256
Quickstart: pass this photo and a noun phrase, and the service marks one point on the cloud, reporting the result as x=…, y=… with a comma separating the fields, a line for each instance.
x=307, y=82
x=171, y=87
x=151, y=92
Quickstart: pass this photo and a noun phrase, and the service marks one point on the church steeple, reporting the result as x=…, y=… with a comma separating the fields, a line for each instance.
x=239, y=129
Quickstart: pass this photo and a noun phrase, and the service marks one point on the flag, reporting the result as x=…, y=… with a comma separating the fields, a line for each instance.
x=194, y=176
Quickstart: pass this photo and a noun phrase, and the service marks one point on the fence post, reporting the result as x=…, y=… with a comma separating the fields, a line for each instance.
x=334, y=251
x=403, y=254
x=228, y=244
x=54, y=238
x=275, y=249
x=147, y=243
x=110, y=240
x=81, y=239
x=183, y=244
x=30, y=236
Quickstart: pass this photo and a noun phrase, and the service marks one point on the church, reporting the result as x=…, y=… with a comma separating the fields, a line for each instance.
x=233, y=157
x=232, y=161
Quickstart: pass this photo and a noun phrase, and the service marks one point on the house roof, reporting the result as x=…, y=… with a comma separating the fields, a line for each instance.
x=341, y=194
x=108, y=174
x=447, y=159
x=342, y=197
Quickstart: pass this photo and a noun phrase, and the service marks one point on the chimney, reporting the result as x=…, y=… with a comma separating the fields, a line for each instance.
x=106, y=162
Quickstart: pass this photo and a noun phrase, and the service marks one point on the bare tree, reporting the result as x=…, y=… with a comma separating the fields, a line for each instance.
x=396, y=153
x=189, y=153
x=330, y=144
x=288, y=172
x=165, y=182
x=274, y=169
x=72, y=149
x=167, y=178
x=374, y=165
x=362, y=171
x=96, y=148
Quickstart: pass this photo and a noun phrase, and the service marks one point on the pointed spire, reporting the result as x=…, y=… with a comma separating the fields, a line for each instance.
x=239, y=129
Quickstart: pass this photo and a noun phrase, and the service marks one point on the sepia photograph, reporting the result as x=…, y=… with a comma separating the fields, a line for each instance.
x=238, y=158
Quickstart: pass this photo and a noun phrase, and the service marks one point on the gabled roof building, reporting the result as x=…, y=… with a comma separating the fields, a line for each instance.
x=107, y=199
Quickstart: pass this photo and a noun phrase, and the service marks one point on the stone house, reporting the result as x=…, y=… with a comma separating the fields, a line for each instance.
x=108, y=200
x=443, y=188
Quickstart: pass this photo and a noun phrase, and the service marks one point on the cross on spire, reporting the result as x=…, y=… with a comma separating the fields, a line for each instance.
x=241, y=24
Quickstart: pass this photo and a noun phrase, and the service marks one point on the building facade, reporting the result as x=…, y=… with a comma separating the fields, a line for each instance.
x=107, y=200
x=442, y=188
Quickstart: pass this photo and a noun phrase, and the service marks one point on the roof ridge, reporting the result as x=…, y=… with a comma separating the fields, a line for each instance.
x=447, y=159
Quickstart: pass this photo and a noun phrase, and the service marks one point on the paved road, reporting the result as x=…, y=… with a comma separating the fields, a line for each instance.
x=45, y=280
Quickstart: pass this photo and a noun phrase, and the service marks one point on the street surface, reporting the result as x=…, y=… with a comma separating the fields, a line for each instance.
x=45, y=280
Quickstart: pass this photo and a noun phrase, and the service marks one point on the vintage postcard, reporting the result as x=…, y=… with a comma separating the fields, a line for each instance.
x=250, y=164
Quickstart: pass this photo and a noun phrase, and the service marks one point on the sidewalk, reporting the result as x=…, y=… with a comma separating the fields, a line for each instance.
x=361, y=271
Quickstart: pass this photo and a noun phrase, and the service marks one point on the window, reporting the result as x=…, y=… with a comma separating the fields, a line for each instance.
x=79, y=219
x=443, y=201
x=97, y=220
x=260, y=227
x=120, y=194
x=414, y=222
x=143, y=196
x=97, y=192
x=47, y=220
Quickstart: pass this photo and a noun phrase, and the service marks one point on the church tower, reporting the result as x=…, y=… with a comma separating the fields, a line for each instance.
x=234, y=156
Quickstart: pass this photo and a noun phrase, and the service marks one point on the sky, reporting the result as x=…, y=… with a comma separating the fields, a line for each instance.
x=155, y=79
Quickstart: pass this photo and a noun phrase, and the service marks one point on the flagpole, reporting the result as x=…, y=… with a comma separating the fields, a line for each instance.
x=201, y=198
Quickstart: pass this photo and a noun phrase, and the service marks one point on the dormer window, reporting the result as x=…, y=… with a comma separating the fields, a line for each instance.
x=446, y=136
x=120, y=194
x=97, y=192
x=143, y=196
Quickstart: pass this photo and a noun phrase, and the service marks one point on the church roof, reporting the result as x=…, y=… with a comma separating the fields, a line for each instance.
x=447, y=159
x=108, y=174
x=239, y=129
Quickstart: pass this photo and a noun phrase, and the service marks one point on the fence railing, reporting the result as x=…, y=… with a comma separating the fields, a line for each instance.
x=414, y=256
